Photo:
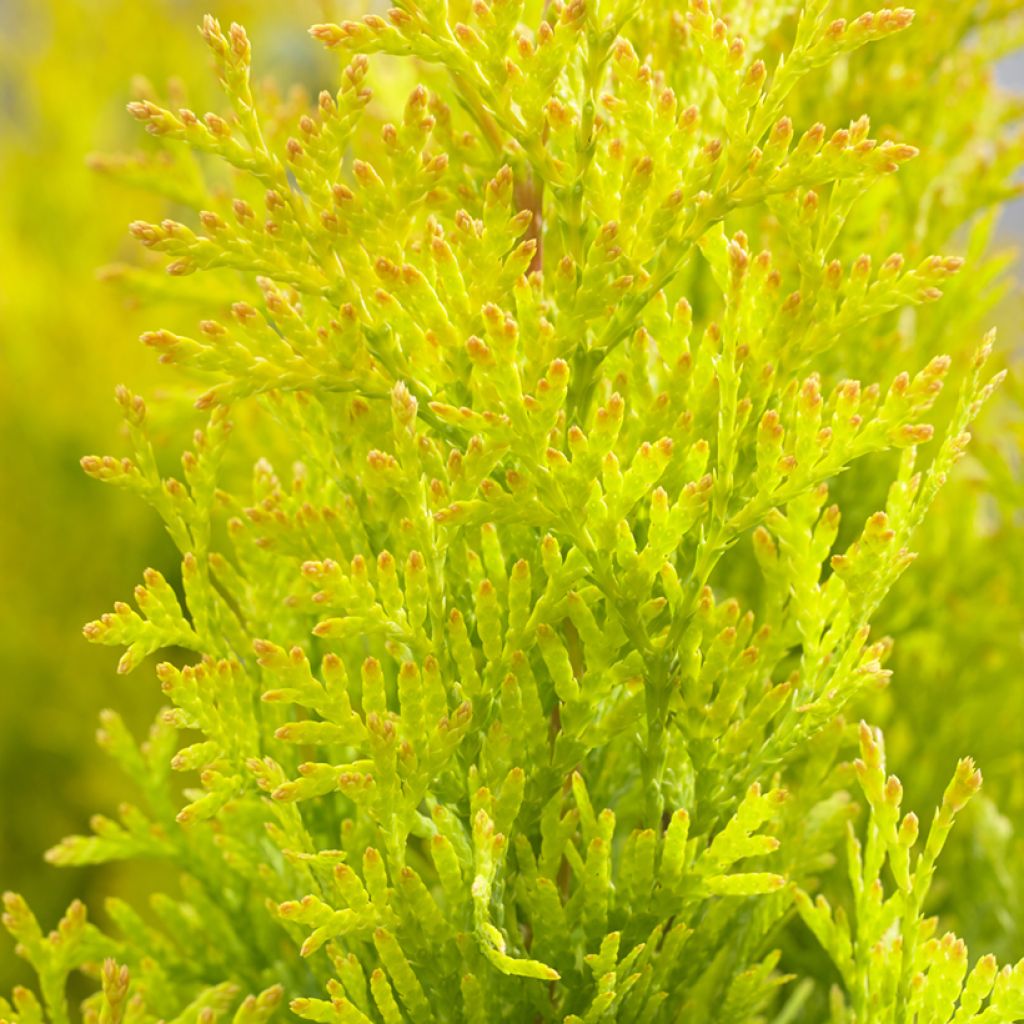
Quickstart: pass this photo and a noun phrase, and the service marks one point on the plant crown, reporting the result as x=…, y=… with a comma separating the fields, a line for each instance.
x=521, y=665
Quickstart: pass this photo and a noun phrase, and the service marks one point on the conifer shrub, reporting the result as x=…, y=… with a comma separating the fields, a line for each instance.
x=573, y=413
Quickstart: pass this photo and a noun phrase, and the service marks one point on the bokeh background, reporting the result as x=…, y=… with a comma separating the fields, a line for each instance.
x=68, y=335
x=69, y=547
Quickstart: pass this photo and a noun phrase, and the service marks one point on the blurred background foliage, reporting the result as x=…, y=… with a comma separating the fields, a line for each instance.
x=68, y=548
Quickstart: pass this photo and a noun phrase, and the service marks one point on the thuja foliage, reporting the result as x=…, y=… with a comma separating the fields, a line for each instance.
x=522, y=673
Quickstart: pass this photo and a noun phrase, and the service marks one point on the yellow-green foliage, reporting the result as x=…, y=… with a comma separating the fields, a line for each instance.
x=570, y=412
